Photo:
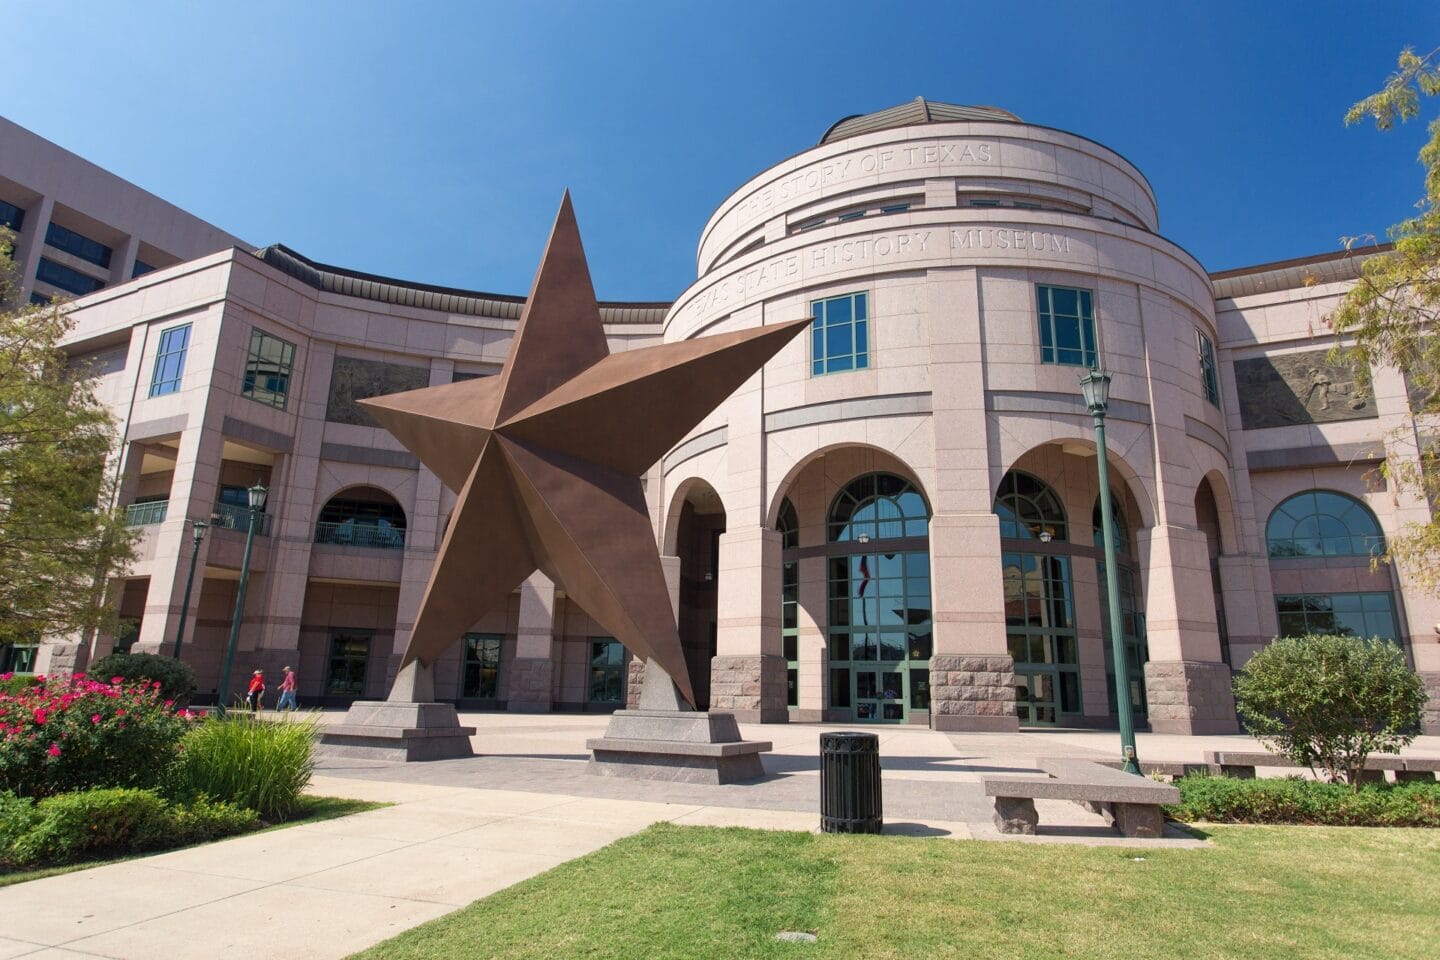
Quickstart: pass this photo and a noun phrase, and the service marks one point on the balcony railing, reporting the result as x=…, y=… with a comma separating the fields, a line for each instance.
x=351, y=534
x=145, y=514
x=231, y=517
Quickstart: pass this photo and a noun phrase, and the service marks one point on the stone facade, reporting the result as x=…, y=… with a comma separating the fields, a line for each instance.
x=531, y=685
x=972, y=693
x=1430, y=716
x=1190, y=697
x=752, y=688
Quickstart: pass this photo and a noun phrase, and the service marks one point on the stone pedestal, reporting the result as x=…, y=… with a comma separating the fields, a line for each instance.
x=663, y=739
x=407, y=727
x=1190, y=697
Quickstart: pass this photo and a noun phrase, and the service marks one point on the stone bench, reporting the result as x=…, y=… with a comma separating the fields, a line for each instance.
x=1237, y=763
x=1131, y=804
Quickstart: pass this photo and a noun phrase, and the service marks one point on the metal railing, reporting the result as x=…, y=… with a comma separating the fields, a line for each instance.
x=351, y=534
x=231, y=517
x=145, y=514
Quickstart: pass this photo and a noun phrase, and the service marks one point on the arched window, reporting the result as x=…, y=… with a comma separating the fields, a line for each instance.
x=362, y=517
x=1323, y=523
x=1028, y=509
x=788, y=525
x=878, y=506
x=1122, y=529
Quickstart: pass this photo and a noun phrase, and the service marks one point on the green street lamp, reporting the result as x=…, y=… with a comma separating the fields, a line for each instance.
x=197, y=533
x=257, y=504
x=1095, y=385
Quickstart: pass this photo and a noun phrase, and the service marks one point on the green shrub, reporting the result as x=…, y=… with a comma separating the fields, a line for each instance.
x=260, y=764
x=1295, y=800
x=177, y=680
x=17, y=682
x=88, y=824
x=1328, y=702
x=71, y=733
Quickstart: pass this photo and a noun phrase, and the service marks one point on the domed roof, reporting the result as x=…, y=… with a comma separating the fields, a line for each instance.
x=909, y=114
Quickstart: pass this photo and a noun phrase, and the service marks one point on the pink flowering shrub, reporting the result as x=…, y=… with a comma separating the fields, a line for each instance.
x=72, y=733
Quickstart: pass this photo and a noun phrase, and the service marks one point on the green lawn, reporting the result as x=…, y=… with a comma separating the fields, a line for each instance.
x=683, y=892
x=312, y=810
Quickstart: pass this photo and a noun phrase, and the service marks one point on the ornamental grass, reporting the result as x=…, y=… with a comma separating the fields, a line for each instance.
x=248, y=762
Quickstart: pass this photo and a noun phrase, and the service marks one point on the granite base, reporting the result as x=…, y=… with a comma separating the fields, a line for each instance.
x=398, y=731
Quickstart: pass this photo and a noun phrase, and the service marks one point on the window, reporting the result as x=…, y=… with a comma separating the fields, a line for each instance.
x=839, y=338
x=1026, y=205
x=141, y=268
x=878, y=506
x=1029, y=509
x=39, y=300
x=1322, y=523
x=170, y=361
x=67, y=279
x=349, y=656
x=267, y=369
x=1067, y=327
x=1209, y=376
x=895, y=207
x=1342, y=614
x=607, y=670
x=852, y=215
x=11, y=216
x=788, y=526
x=78, y=245
x=984, y=203
x=482, y=667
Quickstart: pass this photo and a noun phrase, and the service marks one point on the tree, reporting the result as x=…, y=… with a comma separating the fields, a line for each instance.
x=60, y=539
x=1329, y=701
x=1392, y=310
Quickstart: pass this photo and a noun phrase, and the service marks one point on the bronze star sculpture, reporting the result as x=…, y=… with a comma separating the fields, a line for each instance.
x=546, y=459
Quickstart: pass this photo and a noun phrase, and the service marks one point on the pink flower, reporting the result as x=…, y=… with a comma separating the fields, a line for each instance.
x=94, y=718
x=117, y=679
x=78, y=676
x=54, y=750
x=40, y=716
x=169, y=703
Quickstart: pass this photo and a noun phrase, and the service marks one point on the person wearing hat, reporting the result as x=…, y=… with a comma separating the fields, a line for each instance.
x=254, y=695
x=287, y=691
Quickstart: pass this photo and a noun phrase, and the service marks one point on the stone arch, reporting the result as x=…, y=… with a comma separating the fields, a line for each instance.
x=699, y=493
x=362, y=515
x=885, y=461
x=1139, y=506
x=1225, y=519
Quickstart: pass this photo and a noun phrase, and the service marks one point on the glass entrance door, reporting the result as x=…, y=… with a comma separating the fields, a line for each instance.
x=1035, y=697
x=879, y=695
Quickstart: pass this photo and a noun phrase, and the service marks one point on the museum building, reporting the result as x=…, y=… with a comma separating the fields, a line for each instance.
x=895, y=521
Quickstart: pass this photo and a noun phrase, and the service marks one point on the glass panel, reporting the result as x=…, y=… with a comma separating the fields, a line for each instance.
x=919, y=689
x=839, y=687
x=866, y=687
x=892, y=646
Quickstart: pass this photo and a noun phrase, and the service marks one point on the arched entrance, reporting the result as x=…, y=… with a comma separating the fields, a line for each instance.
x=698, y=526
x=878, y=585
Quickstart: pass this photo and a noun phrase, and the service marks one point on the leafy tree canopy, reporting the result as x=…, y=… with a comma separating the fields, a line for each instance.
x=60, y=540
x=1392, y=311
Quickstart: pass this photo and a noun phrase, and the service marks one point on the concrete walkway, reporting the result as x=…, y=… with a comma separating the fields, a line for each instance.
x=462, y=829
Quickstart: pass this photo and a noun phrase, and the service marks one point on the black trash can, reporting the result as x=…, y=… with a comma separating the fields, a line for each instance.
x=850, y=783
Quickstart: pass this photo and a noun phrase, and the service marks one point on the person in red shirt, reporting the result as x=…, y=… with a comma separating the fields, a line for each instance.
x=287, y=691
x=254, y=695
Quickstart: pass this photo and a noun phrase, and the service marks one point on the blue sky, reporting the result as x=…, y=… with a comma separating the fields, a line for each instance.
x=431, y=140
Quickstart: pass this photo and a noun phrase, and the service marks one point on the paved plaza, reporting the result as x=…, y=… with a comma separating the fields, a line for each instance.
x=462, y=829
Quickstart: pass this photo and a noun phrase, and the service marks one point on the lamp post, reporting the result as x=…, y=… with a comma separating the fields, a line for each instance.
x=1095, y=385
x=197, y=534
x=257, y=504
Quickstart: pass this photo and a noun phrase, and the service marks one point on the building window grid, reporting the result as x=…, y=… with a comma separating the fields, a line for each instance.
x=1342, y=614
x=79, y=245
x=11, y=216
x=1041, y=637
x=67, y=278
x=349, y=660
x=267, y=369
x=607, y=671
x=788, y=525
x=839, y=334
x=140, y=269
x=1067, y=326
x=170, y=361
x=1209, y=374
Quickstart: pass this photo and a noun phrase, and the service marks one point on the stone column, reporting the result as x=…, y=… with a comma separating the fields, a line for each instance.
x=747, y=675
x=530, y=679
x=972, y=677
x=1187, y=683
x=122, y=260
x=31, y=242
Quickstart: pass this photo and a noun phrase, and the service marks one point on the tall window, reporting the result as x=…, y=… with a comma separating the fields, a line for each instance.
x=170, y=361
x=66, y=278
x=1039, y=600
x=607, y=670
x=839, y=336
x=788, y=525
x=1209, y=375
x=349, y=657
x=1343, y=614
x=11, y=216
x=267, y=369
x=879, y=619
x=482, y=667
x=1067, y=326
x=1323, y=523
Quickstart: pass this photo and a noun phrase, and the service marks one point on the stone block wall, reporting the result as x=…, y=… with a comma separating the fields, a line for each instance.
x=1430, y=713
x=973, y=693
x=1190, y=697
x=529, y=683
x=751, y=687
